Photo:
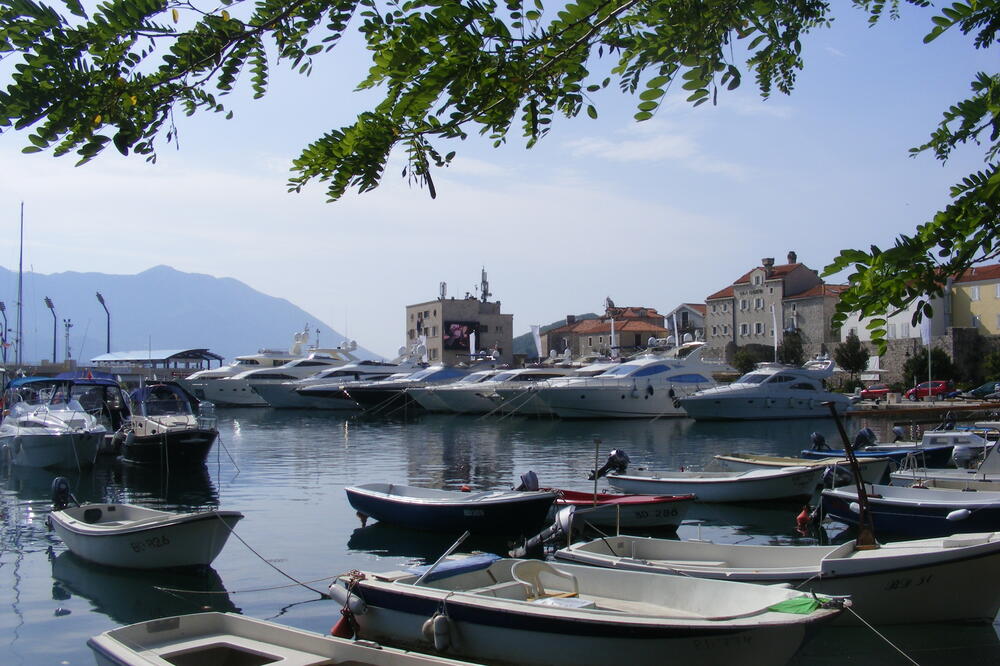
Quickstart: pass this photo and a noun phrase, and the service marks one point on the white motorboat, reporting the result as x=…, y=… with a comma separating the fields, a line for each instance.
x=905, y=582
x=196, y=382
x=239, y=390
x=432, y=396
x=290, y=394
x=986, y=471
x=770, y=391
x=873, y=470
x=391, y=395
x=524, y=400
x=228, y=638
x=750, y=486
x=533, y=613
x=43, y=427
x=126, y=535
x=647, y=386
x=482, y=397
x=167, y=427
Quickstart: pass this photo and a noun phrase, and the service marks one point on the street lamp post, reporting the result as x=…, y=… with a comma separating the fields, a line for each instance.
x=55, y=326
x=105, y=306
x=67, y=324
x=3, y=334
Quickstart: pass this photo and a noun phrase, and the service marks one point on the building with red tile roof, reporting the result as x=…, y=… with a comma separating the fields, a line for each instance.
x=632, y=327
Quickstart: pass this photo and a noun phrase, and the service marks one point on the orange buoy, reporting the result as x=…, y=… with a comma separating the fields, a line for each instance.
x=802, y=520
x=344, y=628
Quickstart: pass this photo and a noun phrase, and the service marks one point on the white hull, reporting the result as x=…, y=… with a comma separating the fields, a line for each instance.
x=748, y=407
x=457, y=401
x=62, y=450
x=872, y=471
x=888, y=585
x=525, y=403
x=752, y=486
x=230, y=392
x=144, y=538
x=586, y=615
x=621, y=402
x=227, y=638
x=427, y=397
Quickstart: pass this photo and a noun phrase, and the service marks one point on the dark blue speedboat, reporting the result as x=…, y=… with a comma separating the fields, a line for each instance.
x=507, y=511
x=916, y=512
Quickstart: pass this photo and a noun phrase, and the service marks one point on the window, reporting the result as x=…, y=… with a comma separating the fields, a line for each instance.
x=744, y=329
x=651, y=370
x=891, y=331
x=758, y=328
x=803, y=387
x=715, y=329
x=974, y=293
x=975, y=321
x=690, y=379
x=725, y=307
x=998, y=290
x=427, y=313
x=590, y=342
x=743, y=304
x=725, y=330
x=757, y=279
x=758, y=303
x=600, y=340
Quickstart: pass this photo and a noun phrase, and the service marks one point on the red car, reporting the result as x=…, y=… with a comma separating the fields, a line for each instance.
x=875, y=392
x=936, y=387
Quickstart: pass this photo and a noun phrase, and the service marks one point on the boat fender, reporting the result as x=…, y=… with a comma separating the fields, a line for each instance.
x=343, y=594
x=650, y=390
x=437, y=629
x=345, y=626
x=803, y=519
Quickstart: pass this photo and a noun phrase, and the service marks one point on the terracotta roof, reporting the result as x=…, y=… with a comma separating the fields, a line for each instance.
x=980, y=273
x=819, y=290
x=597, y=326
x=777, y=272
x=725, y=293
x=697, y=307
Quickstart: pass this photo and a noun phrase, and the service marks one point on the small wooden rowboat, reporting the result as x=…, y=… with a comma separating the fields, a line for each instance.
x=626, y=510
x=227, y=638
x=125, y=535
x=507, y=511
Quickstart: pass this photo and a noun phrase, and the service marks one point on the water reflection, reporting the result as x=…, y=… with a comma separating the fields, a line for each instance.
x=422, y=547
x=188, y=489
x=128, y=596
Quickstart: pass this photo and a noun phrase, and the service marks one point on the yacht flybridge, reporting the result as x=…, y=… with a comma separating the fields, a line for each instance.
x=770, y=391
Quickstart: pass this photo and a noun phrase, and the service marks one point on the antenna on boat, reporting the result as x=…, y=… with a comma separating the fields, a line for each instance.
x=866, y=528
x=20, y=289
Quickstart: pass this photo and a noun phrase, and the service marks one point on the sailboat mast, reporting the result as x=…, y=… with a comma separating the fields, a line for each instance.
x=20, y=288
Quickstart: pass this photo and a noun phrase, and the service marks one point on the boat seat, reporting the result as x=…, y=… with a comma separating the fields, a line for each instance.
x=530, y=573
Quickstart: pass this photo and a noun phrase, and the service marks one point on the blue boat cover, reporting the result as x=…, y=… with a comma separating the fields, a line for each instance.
x=459, y=565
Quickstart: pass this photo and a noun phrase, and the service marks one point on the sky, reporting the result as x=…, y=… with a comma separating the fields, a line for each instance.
x=651, y=214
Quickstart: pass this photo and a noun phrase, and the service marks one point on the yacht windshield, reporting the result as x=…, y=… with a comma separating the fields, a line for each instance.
x=504, y=376
x=752, y=378
x=621, y=370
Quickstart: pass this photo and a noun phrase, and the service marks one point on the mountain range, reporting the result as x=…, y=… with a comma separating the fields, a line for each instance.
x=160, y=308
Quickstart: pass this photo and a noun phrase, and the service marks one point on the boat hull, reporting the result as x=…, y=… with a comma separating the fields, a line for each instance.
x=890, y=516
x=177, y=540
x=523, y=512
x=894, y=590
x=746, y=487
x=873, y=470
x=615, y=402
x=626, y=510
x=228, y=392
x=281, y=396
x=61, y=451
x=175, y=448
x=722, y=407
x=501, y=630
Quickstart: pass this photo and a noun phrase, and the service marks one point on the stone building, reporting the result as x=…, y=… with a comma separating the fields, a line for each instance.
x=632, y=328
x=767, y=301
x=451, y=327
x=690, y=318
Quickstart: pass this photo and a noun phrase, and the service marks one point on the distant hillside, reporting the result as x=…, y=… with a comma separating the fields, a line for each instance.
x=525, y=344
x=160, y=308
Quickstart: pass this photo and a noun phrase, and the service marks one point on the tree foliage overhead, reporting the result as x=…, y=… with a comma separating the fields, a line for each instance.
x=116, y=74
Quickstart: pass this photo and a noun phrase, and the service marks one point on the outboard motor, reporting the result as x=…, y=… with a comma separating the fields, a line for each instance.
x=865, y=437
x=964, y=457
x=898, y=434
x=61, y=494
x=818, y=442
x=529, y=481
x=563, y=525
x=617, y=462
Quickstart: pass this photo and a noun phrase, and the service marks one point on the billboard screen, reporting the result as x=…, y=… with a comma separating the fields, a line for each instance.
x=456, y=335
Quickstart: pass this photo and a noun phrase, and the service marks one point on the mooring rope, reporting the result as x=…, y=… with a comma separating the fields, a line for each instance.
x=876, y=632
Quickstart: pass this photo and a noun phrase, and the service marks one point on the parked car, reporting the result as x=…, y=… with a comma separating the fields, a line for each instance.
x=875, y=392
x=937, y=387
x=982, y=392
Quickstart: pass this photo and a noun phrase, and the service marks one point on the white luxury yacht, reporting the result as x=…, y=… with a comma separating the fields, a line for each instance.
x=238, y=390
x=196, y=382
x=289, y=394
x=770, y=391
x=467, y=397
x=523, y=399
x=645, y=386
x=430, y=397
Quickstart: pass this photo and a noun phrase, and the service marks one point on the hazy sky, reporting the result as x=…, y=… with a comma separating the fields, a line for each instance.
x=651, y=214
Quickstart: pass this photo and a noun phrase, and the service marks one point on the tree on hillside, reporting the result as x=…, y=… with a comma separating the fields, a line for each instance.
x=851, y=356
x=116, y=74
x=915, y=367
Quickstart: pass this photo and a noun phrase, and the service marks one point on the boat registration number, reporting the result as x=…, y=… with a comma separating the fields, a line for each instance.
x=903, y=583
x=151, y=542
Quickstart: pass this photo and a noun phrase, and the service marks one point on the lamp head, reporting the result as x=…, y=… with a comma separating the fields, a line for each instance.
x=48, y=303
x=100, y=298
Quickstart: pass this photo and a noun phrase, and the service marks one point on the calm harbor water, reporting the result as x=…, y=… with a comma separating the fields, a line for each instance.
x=286, y=470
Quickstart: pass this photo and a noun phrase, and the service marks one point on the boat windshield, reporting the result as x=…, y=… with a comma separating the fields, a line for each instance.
x=752, y=378
x=621, y=370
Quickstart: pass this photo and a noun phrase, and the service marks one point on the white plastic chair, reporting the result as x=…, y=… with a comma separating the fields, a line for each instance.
x=529, y=573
